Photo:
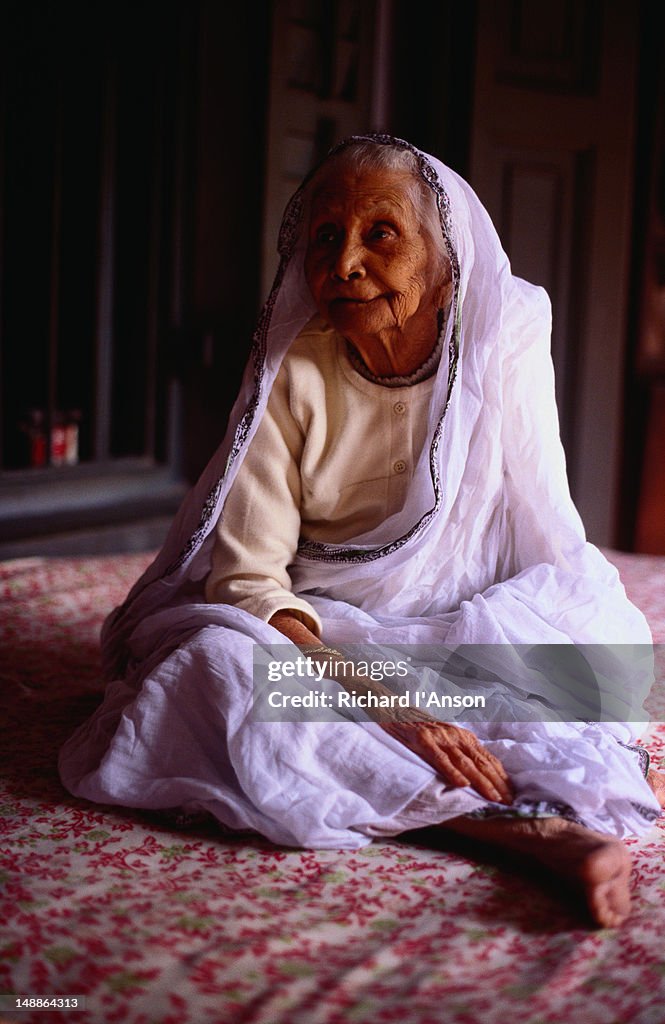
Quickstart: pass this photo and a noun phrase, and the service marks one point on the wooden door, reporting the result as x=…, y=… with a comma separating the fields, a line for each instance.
x=326, y=82
x=552, y=159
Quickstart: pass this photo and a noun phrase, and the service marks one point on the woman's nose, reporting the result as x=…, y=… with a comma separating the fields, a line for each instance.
x=348, y=263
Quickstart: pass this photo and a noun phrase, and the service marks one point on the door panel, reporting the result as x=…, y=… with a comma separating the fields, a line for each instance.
x=552, y=159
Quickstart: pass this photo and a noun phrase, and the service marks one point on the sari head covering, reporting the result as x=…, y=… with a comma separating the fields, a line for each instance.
x=487, y=549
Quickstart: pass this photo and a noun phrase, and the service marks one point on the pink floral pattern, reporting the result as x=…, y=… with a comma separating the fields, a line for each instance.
x=155, y=925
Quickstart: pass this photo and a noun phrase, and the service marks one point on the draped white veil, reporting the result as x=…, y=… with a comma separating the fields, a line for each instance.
x=488, y=548
x=489, y=501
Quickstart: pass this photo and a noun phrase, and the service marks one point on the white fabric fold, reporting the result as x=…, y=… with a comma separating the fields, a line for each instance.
x=487, y=549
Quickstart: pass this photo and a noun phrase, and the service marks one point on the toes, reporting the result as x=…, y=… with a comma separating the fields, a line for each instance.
x=609, y=903
x=607, y=884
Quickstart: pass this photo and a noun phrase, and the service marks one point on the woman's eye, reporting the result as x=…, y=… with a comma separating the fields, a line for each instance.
x=326, y=235
x=381, y=232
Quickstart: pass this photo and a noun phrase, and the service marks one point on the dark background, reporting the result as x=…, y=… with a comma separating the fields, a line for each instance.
x=134, y=141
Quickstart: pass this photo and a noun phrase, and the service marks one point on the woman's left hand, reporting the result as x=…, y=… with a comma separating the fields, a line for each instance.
x=455, y=753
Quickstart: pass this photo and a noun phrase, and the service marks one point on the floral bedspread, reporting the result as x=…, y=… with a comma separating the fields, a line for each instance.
x=150, y=925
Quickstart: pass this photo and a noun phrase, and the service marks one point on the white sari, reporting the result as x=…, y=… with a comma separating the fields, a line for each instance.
x=488, y=549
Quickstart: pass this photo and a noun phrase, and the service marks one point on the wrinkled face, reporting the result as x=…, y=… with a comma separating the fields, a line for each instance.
x=369, y=265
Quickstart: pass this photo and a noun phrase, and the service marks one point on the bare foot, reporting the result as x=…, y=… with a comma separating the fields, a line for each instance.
x=599, y=864
x=657, y=782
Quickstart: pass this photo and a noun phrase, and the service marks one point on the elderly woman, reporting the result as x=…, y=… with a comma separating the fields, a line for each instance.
x=391, y=474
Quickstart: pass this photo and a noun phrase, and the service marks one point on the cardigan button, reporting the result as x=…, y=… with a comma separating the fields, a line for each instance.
x=399, y=466
x=399, y=408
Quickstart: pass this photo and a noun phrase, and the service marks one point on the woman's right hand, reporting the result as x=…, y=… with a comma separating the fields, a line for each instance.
x=455, y=753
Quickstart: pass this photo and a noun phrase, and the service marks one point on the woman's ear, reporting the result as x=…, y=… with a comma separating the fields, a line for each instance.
x=445, y=293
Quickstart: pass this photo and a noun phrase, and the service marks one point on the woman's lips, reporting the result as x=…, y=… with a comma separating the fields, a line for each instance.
x=343, y=299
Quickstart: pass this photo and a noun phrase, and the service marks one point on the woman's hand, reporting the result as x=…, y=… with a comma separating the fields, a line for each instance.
x=455, y=754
